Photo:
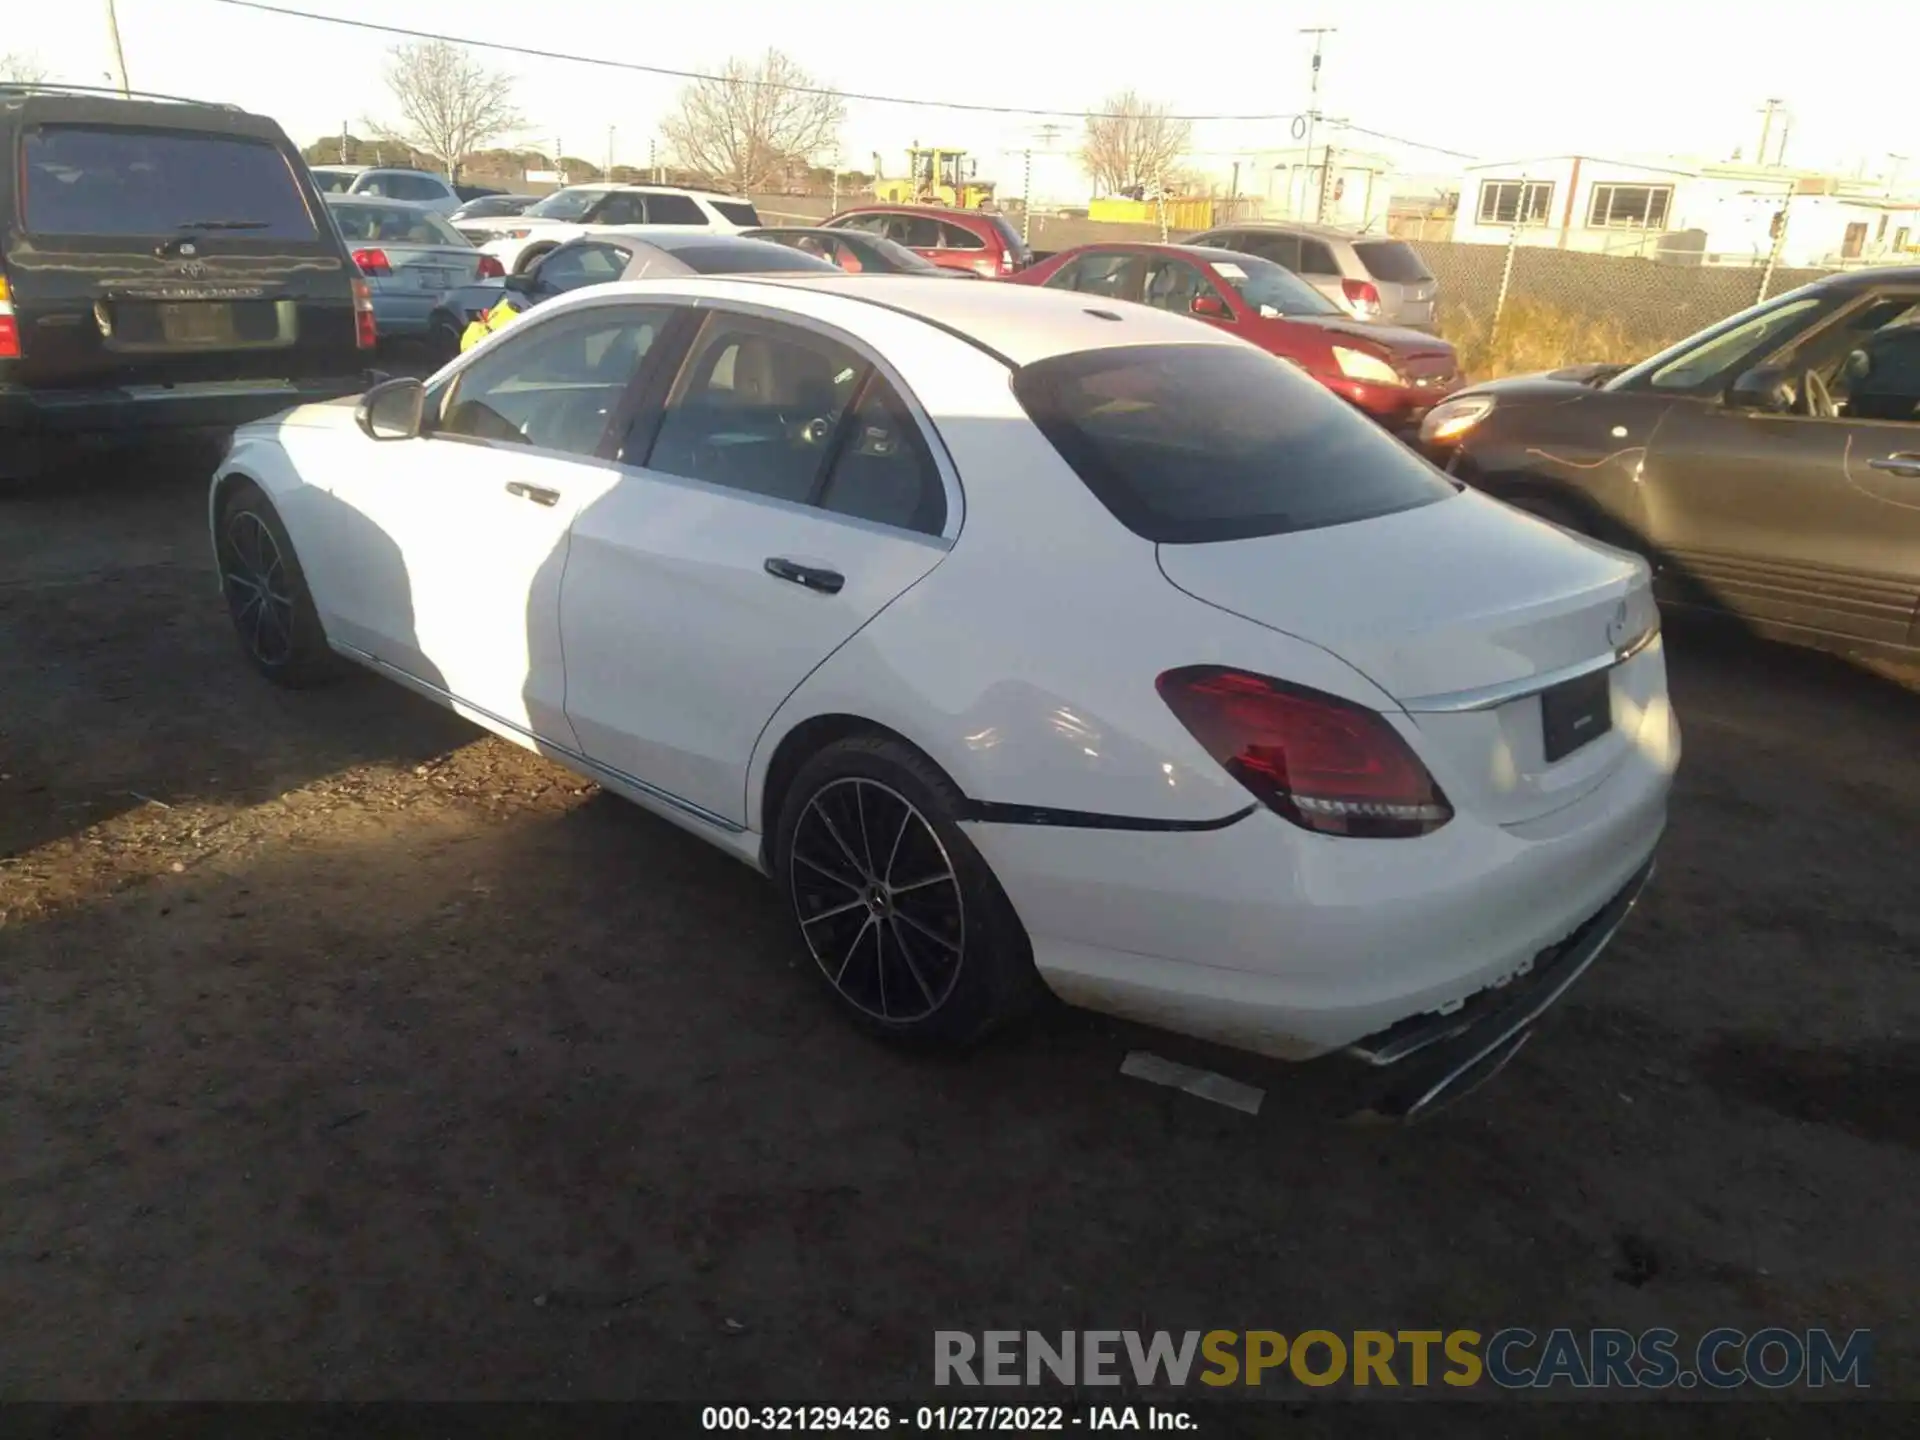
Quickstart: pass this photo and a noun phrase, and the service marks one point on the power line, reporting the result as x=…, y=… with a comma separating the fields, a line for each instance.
x=529, y=51
x=1402, y=140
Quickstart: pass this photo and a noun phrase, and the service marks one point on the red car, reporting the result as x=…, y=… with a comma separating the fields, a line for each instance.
x=1394, y=375
x=971, y=240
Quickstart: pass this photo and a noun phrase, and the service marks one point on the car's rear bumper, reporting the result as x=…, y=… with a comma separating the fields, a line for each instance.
x=1263, y=936
x=200, y=405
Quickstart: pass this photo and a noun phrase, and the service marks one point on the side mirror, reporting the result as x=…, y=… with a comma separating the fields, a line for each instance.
x=521, y=284
x=392, y=410
x=1767, y=389
x=1210, y=307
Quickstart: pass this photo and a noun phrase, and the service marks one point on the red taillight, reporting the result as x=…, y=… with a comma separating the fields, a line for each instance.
x=364, y=334
x=372, y=262
x=1324, y=763
x=1007, y=266
x=490, y=269
x=9, y=325
x=1362, y=295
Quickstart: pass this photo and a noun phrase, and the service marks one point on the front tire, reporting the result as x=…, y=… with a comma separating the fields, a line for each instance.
x=268, y=601
x=902, y=918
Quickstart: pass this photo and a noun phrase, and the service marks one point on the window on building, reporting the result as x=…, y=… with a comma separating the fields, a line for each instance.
x=1515, y=202
x=1900, y=238
x=1854, y=241
x=1629, y=207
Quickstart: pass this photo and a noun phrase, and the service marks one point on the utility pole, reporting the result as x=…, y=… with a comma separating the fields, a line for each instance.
x=653, y=165
x=1319, y=34
x=1026, y=196
x=1766, y=128
x=343, y=142
x=609, y=170
x=119, y=55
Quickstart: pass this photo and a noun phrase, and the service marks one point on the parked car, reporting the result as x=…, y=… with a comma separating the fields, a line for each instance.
x=1222, y=710
x=612, y=255
x=374, y=182
x=858, y=252
x=492, y=207
x=1392, y=374
x=410, y=257
x=164, y=267
x=1769, y=466
x=1371, y=277
x=520, y=240
x=974, y=240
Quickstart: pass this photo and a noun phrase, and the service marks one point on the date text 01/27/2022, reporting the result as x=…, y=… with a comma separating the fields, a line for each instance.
x=926, y=1419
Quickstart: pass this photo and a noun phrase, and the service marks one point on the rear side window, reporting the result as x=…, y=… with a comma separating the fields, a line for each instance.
x=736, y=212
x=1316, y=259
x=1392, y=260
x=1188, y=444
x=110, y=180
x=954, y=237
x=746, y=259
x=674, y=210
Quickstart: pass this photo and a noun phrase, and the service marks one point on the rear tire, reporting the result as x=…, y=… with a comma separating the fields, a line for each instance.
x=268, y=601
x=902, y=918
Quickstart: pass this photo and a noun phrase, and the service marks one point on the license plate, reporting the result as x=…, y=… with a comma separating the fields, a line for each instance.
x=1576, y=713
x=432, y=279
x=196, y=323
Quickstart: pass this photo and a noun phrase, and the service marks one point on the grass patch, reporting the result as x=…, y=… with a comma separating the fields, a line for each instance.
x=1533, y=336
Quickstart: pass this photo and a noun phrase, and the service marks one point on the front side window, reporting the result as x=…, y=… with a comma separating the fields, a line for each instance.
x=619, y=209
x=1175, y=285
x=1190, y=444
x=757, y=408
x=1629, y=207
x=1723, y=350
x=571, y=205
x=1868, y=359
x=1515, y=202
x=573, y=266
x=552, y=386
x=112, y=180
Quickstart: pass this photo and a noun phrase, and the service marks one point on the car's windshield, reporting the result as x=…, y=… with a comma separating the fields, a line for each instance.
x=1271, y=289
x=393, y=225
x=565, y=205
x=1722, y=348
x=333, y=182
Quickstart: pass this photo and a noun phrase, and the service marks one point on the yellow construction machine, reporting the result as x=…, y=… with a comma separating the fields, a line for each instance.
x=935, y=176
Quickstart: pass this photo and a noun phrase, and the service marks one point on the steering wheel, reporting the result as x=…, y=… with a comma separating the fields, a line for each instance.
x=1819, y=399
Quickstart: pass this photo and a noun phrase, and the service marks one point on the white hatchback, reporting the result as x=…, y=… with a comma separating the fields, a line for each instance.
x=1028, y=643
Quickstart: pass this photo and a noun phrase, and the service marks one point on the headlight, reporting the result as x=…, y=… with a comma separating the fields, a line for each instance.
x=1451, y=419
x=1358, y=365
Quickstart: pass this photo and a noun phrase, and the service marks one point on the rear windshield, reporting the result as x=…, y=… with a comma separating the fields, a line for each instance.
x=747, y=258
x=394, y=225
x=101, y=180
x=737, y=212
x=1187, y=444
x=1394, y=261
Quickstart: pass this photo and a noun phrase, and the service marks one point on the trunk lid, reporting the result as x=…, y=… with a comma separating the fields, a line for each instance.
x=1449, y=608
x=428, y=269
x=154, y=251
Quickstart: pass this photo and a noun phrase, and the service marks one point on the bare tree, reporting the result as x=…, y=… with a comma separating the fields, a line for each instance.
x=21, y=68
x=743, y=127
x=1132, y=144
x=450, y=104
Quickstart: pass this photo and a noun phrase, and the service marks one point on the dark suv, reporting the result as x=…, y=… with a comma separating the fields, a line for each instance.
x=165, y=266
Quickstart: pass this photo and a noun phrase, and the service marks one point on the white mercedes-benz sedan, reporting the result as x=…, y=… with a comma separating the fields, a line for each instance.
x=1027, y=641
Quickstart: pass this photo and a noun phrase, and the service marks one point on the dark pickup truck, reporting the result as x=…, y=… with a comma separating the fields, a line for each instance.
x=165, y=266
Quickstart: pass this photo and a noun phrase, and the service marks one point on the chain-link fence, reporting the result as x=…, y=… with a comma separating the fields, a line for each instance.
x=1559, y=307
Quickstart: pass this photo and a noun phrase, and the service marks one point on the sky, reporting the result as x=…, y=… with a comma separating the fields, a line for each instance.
x=1490, y=80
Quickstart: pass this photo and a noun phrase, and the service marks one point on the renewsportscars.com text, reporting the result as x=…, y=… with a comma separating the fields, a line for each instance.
x=1514, y=1358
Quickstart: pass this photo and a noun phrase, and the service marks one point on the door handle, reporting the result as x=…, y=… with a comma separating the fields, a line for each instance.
x=538, y=494
x=827, y=582
x=1904, y=463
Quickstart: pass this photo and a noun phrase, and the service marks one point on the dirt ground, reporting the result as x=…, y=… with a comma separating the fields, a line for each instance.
x=345, y=1053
